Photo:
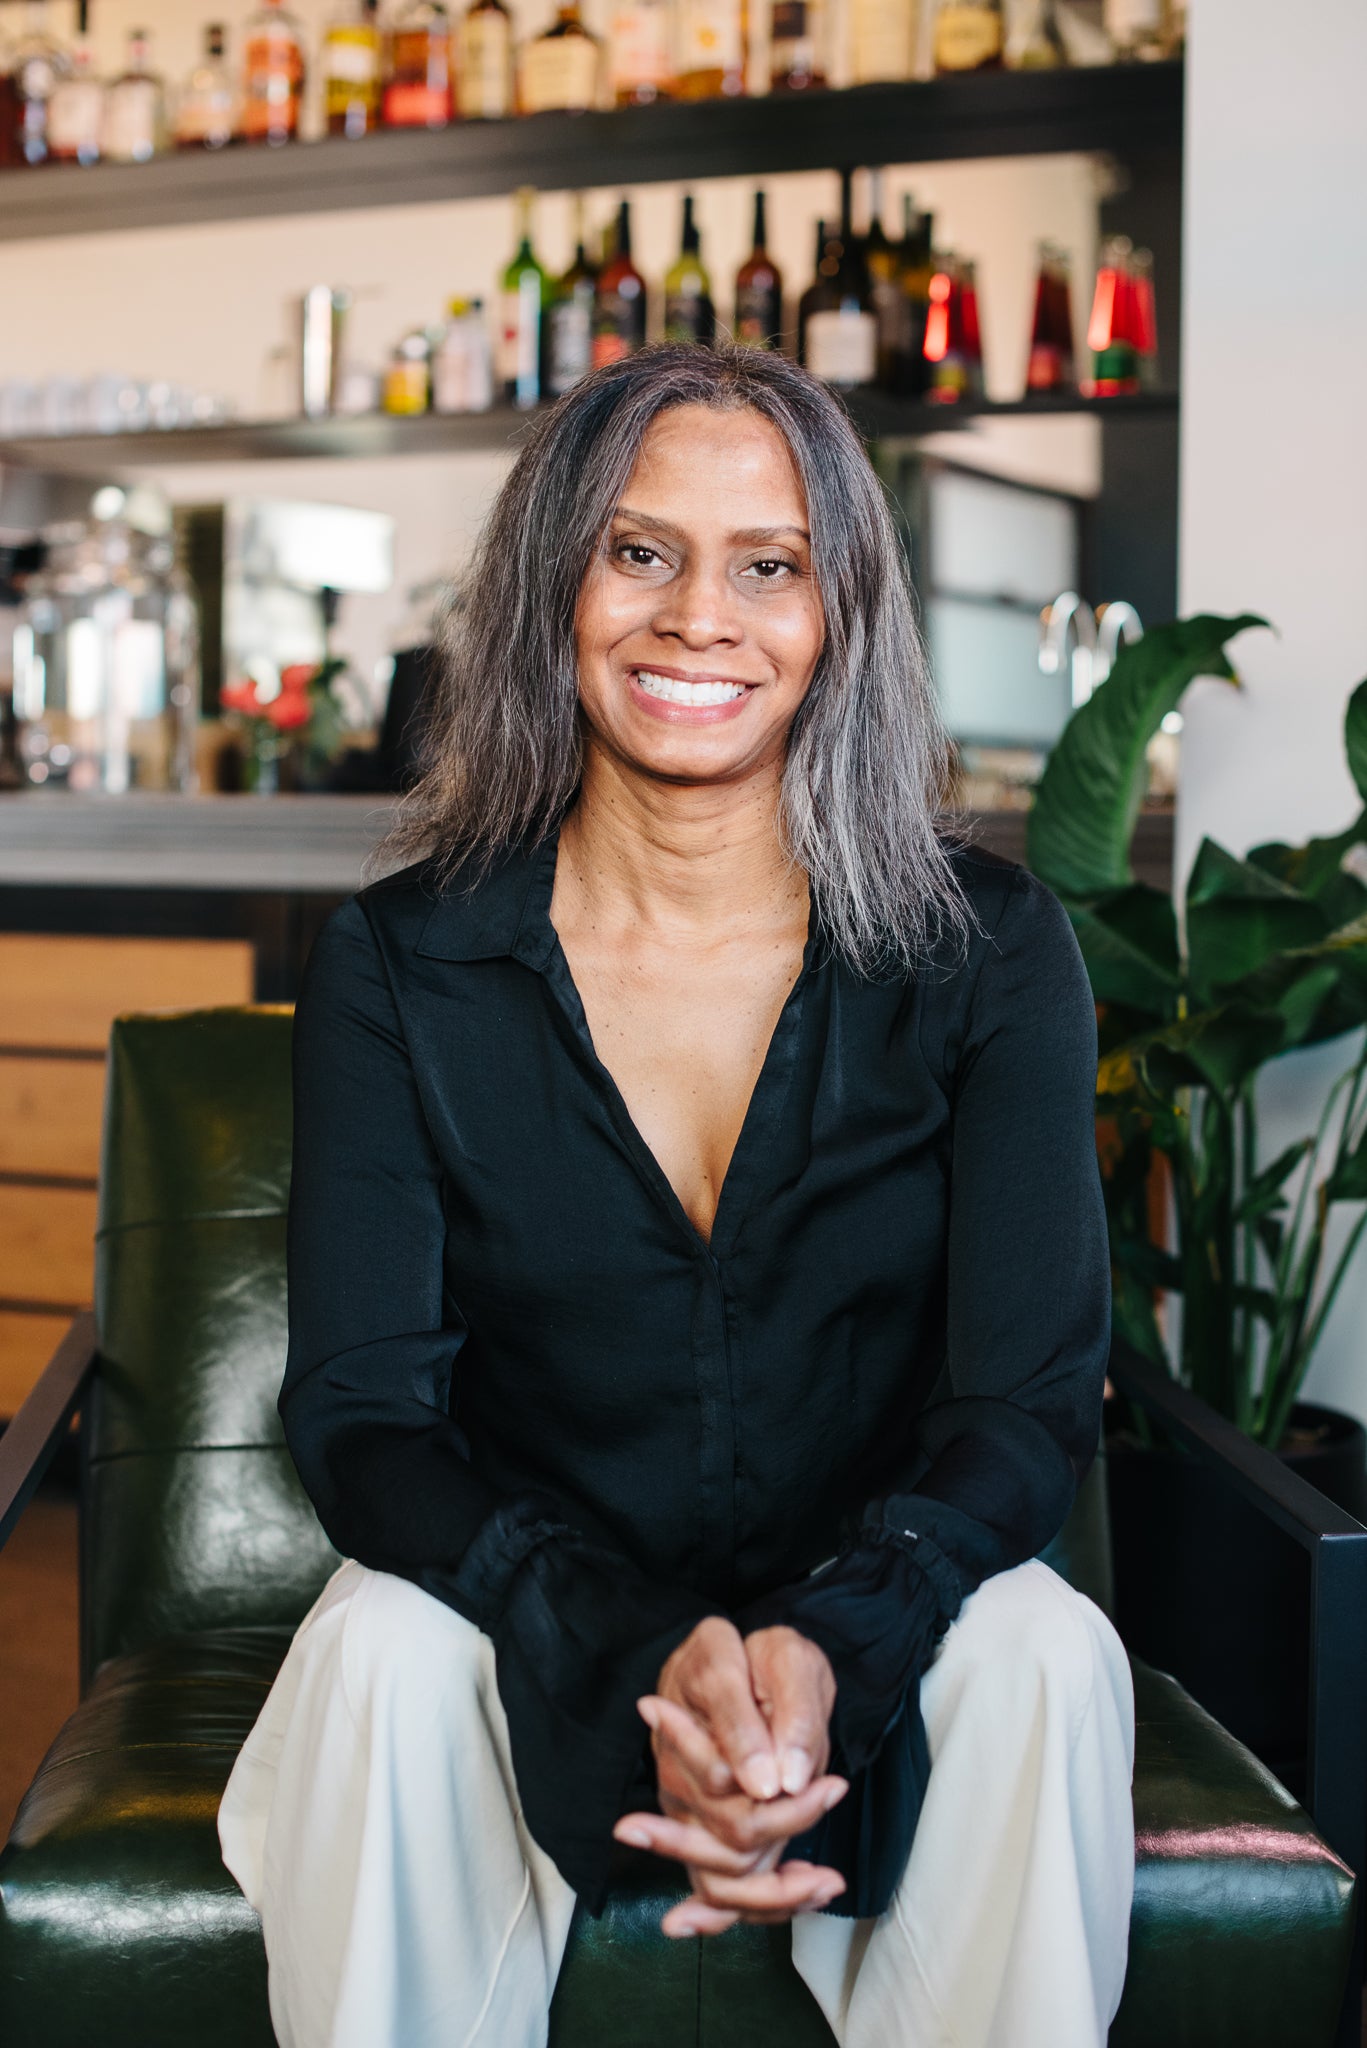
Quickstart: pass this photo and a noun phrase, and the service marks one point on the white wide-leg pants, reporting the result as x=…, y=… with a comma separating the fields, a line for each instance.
x=371, y=1818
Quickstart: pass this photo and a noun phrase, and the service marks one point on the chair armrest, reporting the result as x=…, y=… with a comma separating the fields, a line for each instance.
x=1336, y=1760
x=30, y=1441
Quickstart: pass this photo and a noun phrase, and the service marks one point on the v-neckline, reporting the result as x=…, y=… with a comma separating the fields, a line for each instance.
x=761, y=1111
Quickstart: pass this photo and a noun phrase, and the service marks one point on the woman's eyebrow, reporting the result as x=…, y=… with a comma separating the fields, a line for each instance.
x=745, y=533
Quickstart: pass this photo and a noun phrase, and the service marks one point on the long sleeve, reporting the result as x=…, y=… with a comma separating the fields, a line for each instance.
x=374, y=1342
x=998, y=1453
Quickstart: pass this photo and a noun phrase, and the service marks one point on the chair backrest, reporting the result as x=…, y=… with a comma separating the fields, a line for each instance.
x=193, y=1515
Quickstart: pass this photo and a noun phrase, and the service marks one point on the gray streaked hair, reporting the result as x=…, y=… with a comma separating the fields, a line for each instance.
x=868, y=758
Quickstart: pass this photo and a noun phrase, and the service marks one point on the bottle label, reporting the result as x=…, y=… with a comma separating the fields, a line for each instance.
x=73, y=121
x=842, y=346
x=407, y=105
x=757, y=317
x=485, y=70
x=520, y=337
x=559, y=71
x=273, y=72
x=130, y=120
x=710, y=36
x=619, y=327
x=570, y=343
x=689, y=317
x=882, y=33
x=351, y=61
x=966, y=36
x=639, y=47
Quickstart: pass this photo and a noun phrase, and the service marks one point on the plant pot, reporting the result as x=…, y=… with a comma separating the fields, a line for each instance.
x=1207, y=1589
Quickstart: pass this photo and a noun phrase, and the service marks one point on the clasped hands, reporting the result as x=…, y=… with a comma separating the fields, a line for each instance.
x=740, y=1732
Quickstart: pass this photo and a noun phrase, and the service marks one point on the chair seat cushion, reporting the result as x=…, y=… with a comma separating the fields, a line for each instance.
x=120, y=1924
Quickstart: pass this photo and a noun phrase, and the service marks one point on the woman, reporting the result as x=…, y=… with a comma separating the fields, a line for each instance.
x=698, y=1296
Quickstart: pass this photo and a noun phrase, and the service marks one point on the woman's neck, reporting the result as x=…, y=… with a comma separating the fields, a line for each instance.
x=675, y=861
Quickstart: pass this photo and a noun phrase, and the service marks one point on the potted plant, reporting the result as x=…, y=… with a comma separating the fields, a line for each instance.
x=288, y=730
x=1271, y=955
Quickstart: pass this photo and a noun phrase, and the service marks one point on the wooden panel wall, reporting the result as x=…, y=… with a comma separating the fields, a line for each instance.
x=58, y=997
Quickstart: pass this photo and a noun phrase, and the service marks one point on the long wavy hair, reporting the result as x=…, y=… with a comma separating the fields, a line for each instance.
x=867, y=767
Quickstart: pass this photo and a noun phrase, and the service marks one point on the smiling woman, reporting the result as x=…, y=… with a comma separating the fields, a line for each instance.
x=699, y=1298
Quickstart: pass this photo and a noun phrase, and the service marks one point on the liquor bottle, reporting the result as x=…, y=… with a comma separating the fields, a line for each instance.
x=890, y=308
x=1137, y=30
x=462, y=375
x=418, y=90
x=711, y=49
x=619, y=310
x=689, y=312
x=560, y=68
x=37, y=68
x=1050, y=366
x=969, y=35
x=1111, y=328
x=1145, y=318
x=134, y=126
x=408, y=378
x=797, y=45
x=207, y=115
x=882, y=40
x=521, y=306
x=837, y=328
x=640, y=57
x=915, y=268
x=569, y=317
x=351, y=70
x=484, y=67
x=272, y=75
x=1033, y=40
x=759, y=292
x=953, y=344
x=76, y=110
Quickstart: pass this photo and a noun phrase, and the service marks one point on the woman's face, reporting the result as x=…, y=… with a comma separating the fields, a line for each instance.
x=699, y=624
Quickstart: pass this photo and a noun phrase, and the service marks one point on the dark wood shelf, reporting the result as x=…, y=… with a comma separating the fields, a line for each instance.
x=1123, y=108
x=877, y=416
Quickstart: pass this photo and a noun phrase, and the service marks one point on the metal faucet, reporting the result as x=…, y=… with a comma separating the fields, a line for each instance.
x=1117, y=624
x=1069, y=617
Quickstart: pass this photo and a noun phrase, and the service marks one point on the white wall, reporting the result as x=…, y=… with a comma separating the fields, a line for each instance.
x=1274, y=475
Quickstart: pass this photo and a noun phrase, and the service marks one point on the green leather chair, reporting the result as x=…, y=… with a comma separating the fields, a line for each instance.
x=200, y=1553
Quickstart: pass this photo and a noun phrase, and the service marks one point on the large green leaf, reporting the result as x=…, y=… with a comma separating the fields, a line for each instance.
x=1079, y=829
x=1239, y=917
x=1214, y=1048
x=1264, y=1191
x=1355, y=738
x=1348, y=1182
x=1129, y=942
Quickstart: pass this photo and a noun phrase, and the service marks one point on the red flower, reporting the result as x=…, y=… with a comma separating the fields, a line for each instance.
x=295, y=679
x=289, y=710
x=240, y=696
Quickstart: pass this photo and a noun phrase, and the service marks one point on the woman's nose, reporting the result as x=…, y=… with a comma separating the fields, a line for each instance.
x=699, y=608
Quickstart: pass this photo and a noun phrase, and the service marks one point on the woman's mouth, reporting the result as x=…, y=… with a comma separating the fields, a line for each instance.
x=677, y=690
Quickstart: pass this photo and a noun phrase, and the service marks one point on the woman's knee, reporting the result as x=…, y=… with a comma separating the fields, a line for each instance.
x=1028, y=1634
x=401, y=1644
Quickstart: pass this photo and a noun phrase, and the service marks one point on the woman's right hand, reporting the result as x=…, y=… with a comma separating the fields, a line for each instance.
x=740, y=1734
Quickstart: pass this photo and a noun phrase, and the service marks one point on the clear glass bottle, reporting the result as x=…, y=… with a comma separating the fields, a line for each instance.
x=134, y=129
x=689, y=311
x=620, y=302
x=797, y=45
x=561, y=68
x=759, y=291
x=484, y=66
x=569, y=317
x=882, y=40
x=206, y=116
x=640, y=52
x=522, y=307
x=351, y=64
x=37, y=68
x=76, y=110
x=462, y=372
x=969, y=35
x=419, y=91
x=710, y=53
x=272, y=75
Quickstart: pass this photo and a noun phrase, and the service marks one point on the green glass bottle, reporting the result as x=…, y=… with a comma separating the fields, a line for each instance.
x=689, y=312
x=569, y=317
x=523, y=302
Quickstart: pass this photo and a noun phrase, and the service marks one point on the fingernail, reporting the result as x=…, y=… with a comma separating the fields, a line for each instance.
x=796, y=1769
x=826, y=1894
x=637, y=1837
x=835, y=1794
x=761, y=1777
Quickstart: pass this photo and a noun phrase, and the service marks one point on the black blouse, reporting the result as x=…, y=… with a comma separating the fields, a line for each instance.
x=518, y=1376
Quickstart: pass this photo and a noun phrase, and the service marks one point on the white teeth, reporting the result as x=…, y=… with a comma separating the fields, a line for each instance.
x=675, y=692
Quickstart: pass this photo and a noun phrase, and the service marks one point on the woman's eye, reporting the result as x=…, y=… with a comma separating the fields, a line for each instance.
x=771, y=567
x=637, y=554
